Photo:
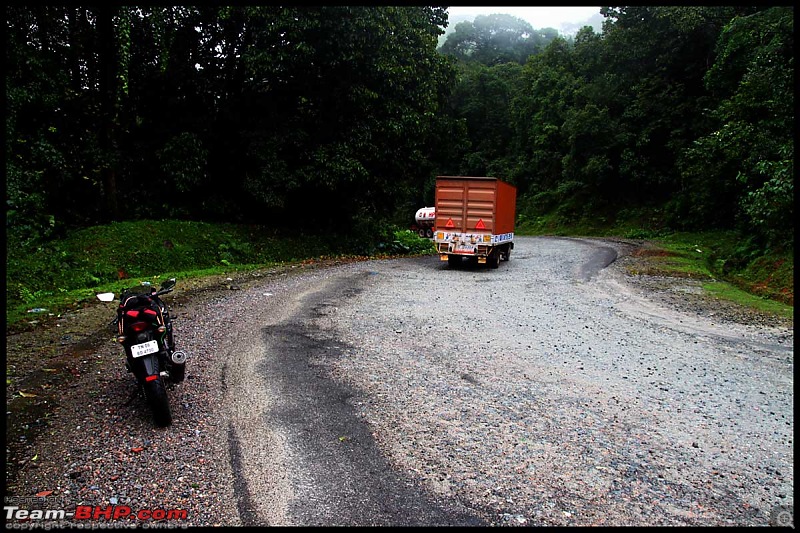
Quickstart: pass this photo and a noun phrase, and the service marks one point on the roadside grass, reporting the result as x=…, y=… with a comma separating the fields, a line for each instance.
x=764, y=282
x=66, y=273
x=727, y=291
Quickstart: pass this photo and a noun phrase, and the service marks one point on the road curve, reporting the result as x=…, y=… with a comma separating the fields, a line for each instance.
x=545, y=392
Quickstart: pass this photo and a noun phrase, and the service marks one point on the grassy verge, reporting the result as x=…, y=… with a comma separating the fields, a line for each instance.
x=764, y=283
x=63, y=274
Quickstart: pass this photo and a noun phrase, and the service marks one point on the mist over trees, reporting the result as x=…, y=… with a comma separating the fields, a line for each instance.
x=338, y=117
x=493, y=39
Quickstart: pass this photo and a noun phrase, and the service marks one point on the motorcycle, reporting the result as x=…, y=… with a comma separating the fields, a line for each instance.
x=144, y=328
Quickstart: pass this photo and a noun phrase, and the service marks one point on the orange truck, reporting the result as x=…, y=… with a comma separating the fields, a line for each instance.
x=474, y=219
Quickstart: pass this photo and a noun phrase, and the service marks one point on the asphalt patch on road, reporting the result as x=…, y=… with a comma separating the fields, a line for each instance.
x=338, y=474
x=600, y=258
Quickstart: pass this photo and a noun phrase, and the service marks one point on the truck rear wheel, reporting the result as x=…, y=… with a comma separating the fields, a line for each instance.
x=494, y=259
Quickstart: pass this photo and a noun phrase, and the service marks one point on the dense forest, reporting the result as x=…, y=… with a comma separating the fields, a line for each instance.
x=338, y=117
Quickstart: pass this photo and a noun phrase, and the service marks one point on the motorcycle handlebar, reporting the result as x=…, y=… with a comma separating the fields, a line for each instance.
x=162, y=291
x=153, y=292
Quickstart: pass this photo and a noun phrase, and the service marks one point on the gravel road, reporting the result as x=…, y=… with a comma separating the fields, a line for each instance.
x=555, y=390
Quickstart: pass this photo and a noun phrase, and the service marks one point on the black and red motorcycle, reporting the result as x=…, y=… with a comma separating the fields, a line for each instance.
x=144, y=329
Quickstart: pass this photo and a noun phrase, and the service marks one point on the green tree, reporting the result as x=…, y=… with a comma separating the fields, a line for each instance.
x=749, y=155
x=341, y=105
x=249, y=113
x=539, y=110
x=482, y=100
x=52, y=147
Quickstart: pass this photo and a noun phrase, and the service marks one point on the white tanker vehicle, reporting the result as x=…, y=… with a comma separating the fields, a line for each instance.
x=425, y=218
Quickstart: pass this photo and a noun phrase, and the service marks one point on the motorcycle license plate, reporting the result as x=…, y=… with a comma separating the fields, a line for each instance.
x=139, y=350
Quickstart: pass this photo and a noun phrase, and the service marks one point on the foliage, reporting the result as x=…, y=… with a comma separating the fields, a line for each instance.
x=482, y=102
x=753, y=144
x=539, y=111
x=238, y=113
x=405, y=241
x=723, y=255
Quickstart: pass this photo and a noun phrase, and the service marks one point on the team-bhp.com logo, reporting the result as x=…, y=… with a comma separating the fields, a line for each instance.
x=93, y=516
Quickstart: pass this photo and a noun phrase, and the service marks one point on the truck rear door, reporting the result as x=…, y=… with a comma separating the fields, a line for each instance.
x=466, y=205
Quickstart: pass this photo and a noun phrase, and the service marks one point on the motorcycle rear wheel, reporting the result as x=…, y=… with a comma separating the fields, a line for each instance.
x=156, y=394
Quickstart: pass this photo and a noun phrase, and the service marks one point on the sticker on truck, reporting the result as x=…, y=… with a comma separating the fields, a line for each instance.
x=505, y=237
x=442, y=236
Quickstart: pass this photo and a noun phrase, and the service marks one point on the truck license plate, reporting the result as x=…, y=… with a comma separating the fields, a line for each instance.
x=139, y=350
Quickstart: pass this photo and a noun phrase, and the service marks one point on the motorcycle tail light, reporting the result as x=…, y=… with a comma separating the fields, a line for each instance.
x=139, y=326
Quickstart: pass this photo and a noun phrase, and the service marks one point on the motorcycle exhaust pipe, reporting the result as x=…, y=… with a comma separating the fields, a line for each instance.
x=178, y=357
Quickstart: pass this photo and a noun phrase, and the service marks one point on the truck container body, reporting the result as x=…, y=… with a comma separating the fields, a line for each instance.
x=475, y=219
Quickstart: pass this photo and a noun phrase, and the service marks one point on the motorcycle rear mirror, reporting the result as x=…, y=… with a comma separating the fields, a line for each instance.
x=106, y=297
x=168, y=284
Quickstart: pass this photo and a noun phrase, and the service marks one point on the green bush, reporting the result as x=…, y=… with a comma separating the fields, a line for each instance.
x=408, y=242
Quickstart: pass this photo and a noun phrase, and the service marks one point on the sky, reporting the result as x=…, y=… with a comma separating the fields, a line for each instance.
x=566, y=19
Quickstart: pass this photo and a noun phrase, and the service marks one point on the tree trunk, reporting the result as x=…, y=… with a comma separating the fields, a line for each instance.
x=107, y=48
